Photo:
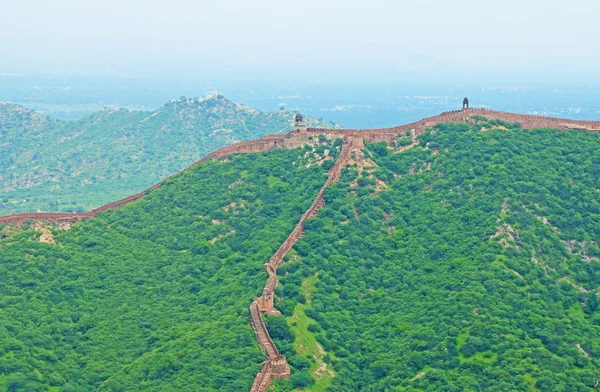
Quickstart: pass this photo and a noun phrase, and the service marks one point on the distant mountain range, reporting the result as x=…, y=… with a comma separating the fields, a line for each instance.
x=51, y=165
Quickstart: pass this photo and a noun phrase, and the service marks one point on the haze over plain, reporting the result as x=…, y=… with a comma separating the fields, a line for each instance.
x=360, y=64
x=311, y=38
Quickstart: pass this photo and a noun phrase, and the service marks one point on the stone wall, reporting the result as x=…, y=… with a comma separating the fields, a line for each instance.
x=527, y=121
x=260, y=145
x=56, y=217
x=262, y=335
x=276, y=365
x=294, y=139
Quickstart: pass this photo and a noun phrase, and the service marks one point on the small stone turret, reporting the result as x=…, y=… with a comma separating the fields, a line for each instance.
x=301, y=128
x=465, y=103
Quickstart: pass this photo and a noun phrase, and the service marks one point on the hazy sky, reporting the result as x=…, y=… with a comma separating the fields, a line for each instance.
x=312, y=36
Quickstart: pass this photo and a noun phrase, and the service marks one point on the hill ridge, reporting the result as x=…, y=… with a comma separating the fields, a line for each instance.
x=276, y=365
x=54, y=165
x=295, y=138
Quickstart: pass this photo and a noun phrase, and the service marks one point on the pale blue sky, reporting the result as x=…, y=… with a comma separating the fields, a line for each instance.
x=310, y=36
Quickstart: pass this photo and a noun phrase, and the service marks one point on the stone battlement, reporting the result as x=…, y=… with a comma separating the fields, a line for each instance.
x=260, y=145
x=527, y=121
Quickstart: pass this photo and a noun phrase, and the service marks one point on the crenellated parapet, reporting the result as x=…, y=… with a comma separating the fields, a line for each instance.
x=54, y=217
x=260, y=145
x=276, y=366
x=527, y=121
x=260, y=330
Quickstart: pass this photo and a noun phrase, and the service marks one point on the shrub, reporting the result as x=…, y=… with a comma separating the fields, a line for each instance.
x=301, y=379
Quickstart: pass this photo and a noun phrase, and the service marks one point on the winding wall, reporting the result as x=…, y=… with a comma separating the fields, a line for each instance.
x=260, y=145
x=527, y=121
x=276, y=365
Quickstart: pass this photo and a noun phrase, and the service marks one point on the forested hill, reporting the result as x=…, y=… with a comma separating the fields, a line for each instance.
x=464, y=259
x=53, y=165
x=153, y=296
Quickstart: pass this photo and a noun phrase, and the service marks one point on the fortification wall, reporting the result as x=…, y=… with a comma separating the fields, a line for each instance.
x=276, y=365
x=292, y=140
x=275, y=368
x=260, y=145
x=262, y=335
x=527, y=121
x=534, y=121
x=262, y=381
x=55, y=217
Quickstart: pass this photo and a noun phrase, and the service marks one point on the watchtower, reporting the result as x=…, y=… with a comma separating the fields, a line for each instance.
x=465, y=103
x=301, y=128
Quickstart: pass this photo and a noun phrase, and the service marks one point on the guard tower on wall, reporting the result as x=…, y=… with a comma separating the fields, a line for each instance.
x=301, y=128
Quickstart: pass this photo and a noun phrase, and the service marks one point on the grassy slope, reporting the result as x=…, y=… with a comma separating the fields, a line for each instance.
x=306, y=344
x=477, y=268
x=54, y=165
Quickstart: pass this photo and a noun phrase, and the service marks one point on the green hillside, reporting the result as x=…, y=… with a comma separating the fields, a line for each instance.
x=52, y=165
x=153, y=296
x=469, y=262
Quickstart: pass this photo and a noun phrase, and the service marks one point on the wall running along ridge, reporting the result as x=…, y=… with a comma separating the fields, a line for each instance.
x=260, y=145
x=527, y=121
x=292, y=140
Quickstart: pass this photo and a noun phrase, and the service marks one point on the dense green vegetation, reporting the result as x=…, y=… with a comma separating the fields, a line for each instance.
x=477, y=268
x=468, y=262
x=153, y=296
x=75, y=166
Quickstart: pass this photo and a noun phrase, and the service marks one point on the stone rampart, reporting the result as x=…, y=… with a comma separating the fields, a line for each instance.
x=262, y=335
x=276, y=365
x=527, y=121
x=292, y=139
x=276, y=368
x=260, y=145
x=54, y=217
x=262, y=381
